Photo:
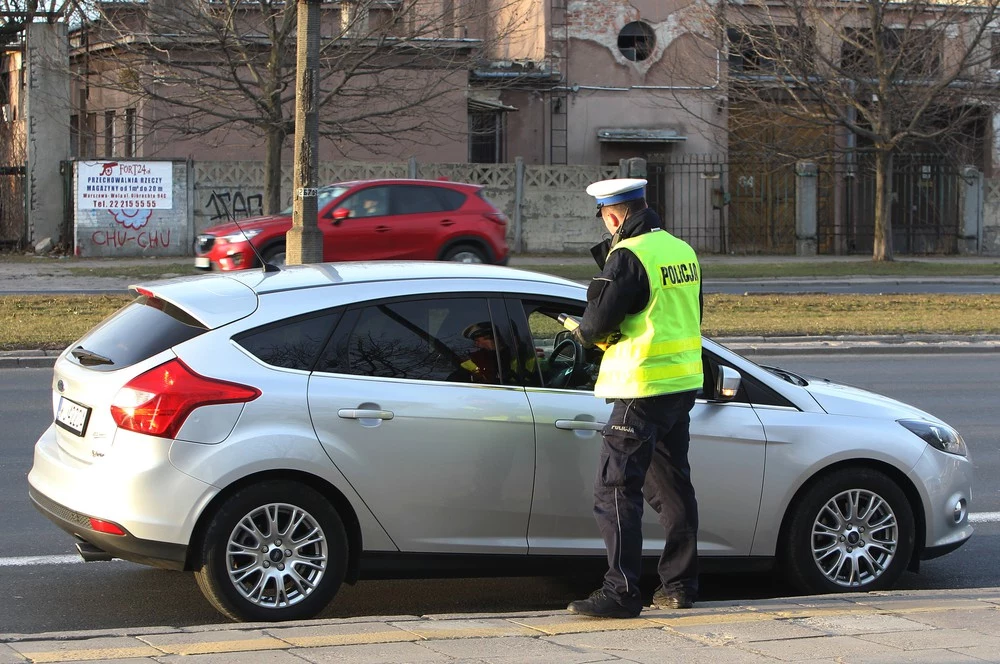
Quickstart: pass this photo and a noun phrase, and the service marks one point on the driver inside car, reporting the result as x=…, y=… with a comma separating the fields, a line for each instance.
x=484, y=362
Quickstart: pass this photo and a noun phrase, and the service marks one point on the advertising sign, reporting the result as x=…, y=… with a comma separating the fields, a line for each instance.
x=126, y=185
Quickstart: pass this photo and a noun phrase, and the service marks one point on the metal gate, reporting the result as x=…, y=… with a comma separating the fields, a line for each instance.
x=12, y=217
x=746, y=206
x=926, y=209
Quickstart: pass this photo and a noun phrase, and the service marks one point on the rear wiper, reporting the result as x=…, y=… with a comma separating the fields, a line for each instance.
x=89, y=358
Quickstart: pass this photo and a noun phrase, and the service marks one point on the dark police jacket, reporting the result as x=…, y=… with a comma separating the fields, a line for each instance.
x=622, y=288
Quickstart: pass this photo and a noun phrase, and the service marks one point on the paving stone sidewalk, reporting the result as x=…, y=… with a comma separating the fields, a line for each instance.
x=941, y=626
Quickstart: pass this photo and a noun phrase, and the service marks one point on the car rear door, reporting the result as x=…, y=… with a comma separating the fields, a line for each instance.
x=419, y=222
x=726, y=454
x=444, y=461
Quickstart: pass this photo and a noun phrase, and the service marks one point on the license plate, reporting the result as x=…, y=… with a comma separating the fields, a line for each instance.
x=202, y=261
x=72, y=416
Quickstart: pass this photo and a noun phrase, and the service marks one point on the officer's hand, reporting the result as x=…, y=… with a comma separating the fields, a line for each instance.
x=578, y=338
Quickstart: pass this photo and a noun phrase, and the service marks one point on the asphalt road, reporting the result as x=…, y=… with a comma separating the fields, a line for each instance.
x=47, y=589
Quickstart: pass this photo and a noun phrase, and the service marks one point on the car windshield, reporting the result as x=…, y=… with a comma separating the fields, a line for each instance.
x=326, y=194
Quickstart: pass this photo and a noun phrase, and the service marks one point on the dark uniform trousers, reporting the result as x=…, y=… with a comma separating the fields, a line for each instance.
x=645, y=453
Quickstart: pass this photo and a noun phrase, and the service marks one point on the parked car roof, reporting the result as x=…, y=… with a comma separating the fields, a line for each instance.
x=293, y=277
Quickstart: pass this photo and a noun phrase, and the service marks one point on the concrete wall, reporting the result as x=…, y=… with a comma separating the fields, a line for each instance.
x=117, y=233
x=556, y=214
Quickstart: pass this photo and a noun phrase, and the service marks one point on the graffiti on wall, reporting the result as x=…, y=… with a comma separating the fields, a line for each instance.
x=122, y=238
x=225, y=205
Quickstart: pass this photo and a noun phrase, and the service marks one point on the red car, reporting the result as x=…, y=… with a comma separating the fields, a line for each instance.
x=373, y=220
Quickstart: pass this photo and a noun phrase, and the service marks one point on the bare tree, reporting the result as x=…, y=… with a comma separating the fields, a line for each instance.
x=861, y=76
x=223, y=65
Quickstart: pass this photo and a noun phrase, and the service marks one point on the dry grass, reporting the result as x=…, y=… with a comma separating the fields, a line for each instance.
x=773, y=315
x=55, y=321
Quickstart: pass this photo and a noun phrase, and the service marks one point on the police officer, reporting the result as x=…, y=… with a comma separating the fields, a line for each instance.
x=649, y=291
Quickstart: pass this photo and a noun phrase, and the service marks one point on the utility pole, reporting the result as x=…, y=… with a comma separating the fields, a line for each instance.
x=304, y=242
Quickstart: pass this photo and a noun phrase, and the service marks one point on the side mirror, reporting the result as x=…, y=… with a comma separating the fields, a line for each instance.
x=727, y=384
x=340, y=214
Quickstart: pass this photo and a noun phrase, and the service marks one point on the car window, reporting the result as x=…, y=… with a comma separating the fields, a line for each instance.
x=324, y=196
x=439, y=339
x=134, y=333
x=562, y=364
x=292, y=344
x=450, y=198
x=413, y=199
x=370, y=202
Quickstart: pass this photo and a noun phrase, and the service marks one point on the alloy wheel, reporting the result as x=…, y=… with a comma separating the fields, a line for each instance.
x=854, y=538
x=277, y=555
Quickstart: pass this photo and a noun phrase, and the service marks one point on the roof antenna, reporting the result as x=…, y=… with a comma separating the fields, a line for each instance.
x=265, y=266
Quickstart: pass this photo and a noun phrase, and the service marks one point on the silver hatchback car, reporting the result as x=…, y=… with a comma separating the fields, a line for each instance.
x=280, y=434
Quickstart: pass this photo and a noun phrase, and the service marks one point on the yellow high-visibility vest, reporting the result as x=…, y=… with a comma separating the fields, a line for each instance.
x=660, y=348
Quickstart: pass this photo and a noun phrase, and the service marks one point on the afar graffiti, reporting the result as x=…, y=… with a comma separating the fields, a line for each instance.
x=228, y=205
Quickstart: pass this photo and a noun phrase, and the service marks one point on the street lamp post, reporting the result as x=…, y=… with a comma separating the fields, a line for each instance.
x=304, y=242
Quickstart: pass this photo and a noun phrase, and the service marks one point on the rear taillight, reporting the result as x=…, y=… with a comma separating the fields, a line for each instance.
x=158, y=401
x=497, y=217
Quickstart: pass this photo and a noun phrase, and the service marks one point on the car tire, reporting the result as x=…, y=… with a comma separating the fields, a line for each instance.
x=466, y=253
x=831, y=545
x=244, y=568
x=275, y=255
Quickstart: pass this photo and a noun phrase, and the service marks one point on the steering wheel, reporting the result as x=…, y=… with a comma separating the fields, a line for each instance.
x=563, y=377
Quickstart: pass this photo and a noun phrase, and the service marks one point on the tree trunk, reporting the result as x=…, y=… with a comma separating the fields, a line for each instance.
x=272, y=169
x=882, y=250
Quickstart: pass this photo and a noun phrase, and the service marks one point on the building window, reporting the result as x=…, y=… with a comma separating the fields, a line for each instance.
x=759, y=49
x=919, y=52
x=995, y=50
x=636, y=41
x=88, y=135
x=487, y=138
x=109, y=133
x=74, y=136
x=129, y=148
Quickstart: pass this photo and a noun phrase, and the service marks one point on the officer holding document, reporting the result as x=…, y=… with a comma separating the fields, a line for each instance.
x=647, y=303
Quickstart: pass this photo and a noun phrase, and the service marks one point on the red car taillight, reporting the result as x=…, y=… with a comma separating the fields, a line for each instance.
x=157, y=402
x=497, y=217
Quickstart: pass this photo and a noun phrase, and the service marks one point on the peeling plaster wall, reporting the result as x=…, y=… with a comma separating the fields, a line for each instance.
x=602, y=83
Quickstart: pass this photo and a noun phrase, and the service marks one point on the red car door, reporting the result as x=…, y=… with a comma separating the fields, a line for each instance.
x=420, y=222
x=359, y=227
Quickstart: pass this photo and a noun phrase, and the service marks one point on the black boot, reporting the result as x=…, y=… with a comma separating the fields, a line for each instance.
x=600, y=605
x=672, y=599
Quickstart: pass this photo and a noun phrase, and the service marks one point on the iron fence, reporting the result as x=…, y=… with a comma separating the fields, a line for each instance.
x=744, y=205
x=12, y=218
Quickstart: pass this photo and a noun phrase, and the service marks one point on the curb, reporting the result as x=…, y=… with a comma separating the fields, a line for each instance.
x=831, y=617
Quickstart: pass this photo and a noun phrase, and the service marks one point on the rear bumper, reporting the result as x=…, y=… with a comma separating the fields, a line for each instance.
x=127, y=547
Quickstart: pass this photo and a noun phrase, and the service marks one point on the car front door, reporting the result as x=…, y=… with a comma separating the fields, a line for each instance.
x=726, y=452
x=364, y=234
x=410, y=402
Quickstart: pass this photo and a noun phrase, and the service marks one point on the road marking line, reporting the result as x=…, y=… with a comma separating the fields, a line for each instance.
x=984, y=517
x=23, y=561
x=40, y=560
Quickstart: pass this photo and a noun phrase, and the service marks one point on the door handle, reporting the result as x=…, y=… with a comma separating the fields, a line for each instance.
x=382, y=229
x=579, y=425
x=447, y=222
x=364, y=414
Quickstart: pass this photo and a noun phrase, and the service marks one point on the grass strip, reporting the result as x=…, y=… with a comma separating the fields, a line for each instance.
x=55, y=321
x=713, y=268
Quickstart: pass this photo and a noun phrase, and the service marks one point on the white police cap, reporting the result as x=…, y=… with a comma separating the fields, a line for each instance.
x=619, y=190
